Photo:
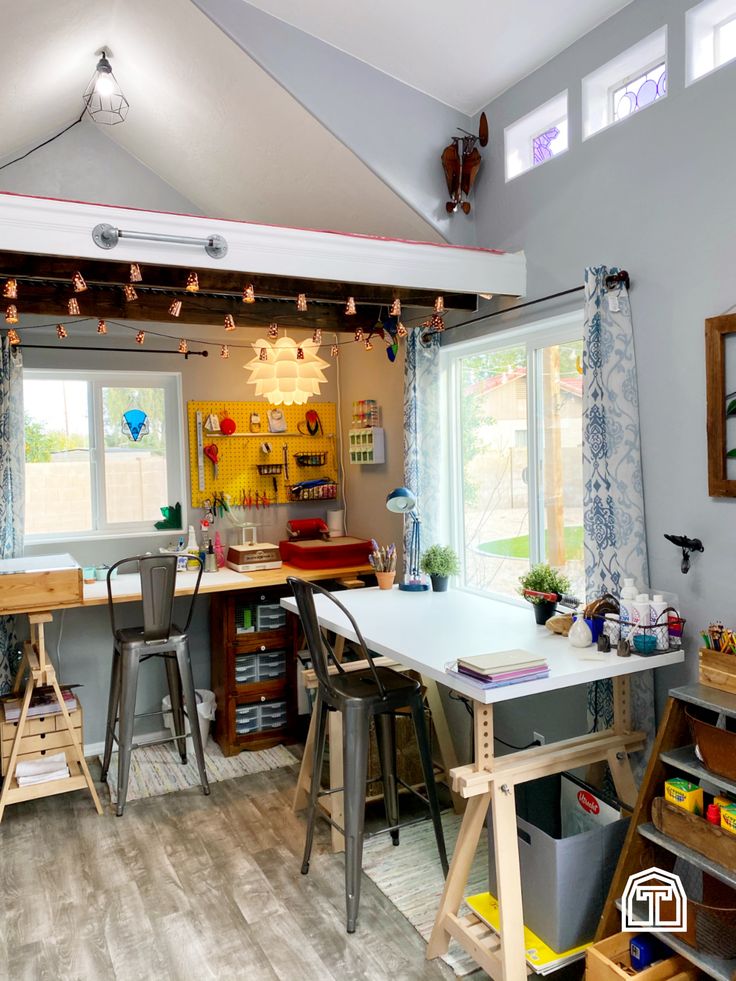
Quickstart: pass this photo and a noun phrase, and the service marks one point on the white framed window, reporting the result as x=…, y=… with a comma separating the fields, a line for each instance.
x=628, y=83
x=537, y=137
x=85, y=476
x=711, y=37
x=514, y=454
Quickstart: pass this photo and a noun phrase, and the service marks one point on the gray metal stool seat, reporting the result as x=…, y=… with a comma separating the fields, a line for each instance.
x=375, y=693
x=158, y=637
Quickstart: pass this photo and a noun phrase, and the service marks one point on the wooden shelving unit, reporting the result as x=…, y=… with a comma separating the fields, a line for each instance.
x=646, y=846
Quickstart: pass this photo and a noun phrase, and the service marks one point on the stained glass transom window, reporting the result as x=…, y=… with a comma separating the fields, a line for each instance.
x=640, y=92
x=549, y=143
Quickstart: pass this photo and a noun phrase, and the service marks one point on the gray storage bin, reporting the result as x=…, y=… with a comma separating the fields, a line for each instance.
x=564, y=881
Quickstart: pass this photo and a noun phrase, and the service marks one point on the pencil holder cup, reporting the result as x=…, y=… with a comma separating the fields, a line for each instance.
x=385, y=579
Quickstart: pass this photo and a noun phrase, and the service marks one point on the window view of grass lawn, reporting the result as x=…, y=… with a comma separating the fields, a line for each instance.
x=496, y=464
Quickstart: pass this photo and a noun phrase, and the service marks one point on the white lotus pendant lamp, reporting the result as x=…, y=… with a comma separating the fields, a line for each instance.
x=284, y=376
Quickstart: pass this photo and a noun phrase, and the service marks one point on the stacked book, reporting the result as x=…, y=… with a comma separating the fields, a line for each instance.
x=503, y=668
x=43, y=702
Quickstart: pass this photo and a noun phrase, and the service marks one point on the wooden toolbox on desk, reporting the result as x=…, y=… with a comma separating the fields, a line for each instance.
x=46, y=582
x=44, y=735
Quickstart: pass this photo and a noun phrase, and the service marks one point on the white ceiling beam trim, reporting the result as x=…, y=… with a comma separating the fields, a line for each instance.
x=45, y=225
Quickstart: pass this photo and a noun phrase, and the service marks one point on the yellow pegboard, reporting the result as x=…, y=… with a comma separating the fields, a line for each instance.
x=240, y=454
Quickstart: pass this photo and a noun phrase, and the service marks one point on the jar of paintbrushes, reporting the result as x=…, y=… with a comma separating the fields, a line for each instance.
x=383, y=561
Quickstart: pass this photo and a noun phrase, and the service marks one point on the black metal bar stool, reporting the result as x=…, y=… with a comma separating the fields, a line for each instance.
x=158, y=637
x=375, y=693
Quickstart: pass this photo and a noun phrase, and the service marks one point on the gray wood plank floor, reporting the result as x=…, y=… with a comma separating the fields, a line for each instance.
x=189, y=887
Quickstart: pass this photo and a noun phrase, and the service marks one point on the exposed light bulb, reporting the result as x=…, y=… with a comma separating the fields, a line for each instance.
x=437, y=323
x=192, y=283
x=358, y=334
x=486, y=296
x=175, y=308
x=368, y=345
x=183, y=346
x=104, y=85
x=73, y=307
x=61, y=332
x=350, y=310
x=401, y=330
x=135, y=273
x=101, y=327
x=273, y=330
x=10, y=290
x=78, y=282
x=317, y=336
x=11, y=314
x=299, y=354
x=263, y=354
x=140, y=337
x=334, y=350
x=13, y=337
x=395, y=309
x=249, y=294
x=229, y=322
x=224, y=351
x=129, y=292
x=301, y=302
x=439, y=304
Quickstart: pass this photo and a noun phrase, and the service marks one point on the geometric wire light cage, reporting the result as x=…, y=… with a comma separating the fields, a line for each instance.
x=103, y=97
x=283, y=376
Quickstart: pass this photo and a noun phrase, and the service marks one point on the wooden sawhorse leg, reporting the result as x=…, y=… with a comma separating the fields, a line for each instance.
x=491, y=781
x=41, y=672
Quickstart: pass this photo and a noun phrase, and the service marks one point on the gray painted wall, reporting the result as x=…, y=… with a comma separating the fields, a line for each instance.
x=655, y=195
x=395, y=130
x=84, y=165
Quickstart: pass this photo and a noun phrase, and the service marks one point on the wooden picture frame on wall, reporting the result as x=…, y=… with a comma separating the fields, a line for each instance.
x=721, y=404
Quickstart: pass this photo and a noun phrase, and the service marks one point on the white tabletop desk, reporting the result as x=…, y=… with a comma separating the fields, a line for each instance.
x=426, y=631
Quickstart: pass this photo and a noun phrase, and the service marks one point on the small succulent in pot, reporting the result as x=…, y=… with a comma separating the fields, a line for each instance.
x=542, y=578
x=440, y=562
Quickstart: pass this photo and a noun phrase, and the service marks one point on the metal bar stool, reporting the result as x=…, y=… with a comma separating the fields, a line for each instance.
x=375, y=693
x=158, y=637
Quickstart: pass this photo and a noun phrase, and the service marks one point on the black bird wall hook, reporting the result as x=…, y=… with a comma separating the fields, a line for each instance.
x=687, y=545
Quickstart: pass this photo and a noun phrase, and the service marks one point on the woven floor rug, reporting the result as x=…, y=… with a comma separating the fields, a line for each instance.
x=157, y=770
x=410, y=876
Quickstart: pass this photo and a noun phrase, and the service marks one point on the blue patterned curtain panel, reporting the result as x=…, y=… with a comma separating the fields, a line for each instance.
x=422, y=422
x=613, y=495
x=12, y=474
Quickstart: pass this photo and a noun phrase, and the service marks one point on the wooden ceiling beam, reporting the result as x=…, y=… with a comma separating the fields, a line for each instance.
x=109, y=304
x=218, y=282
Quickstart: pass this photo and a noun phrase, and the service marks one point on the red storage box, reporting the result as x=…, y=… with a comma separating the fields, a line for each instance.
x=332, y=554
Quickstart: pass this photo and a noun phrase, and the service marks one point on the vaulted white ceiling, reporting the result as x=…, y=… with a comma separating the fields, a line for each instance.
x=464, y=52
x=203, y=115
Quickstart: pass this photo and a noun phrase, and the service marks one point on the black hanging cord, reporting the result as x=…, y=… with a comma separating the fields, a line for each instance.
x=46, y=142
x=615, y=279
x=457, y=697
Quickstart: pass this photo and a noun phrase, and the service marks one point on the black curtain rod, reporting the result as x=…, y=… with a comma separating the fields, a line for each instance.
x=99, y=348
x=615, y=279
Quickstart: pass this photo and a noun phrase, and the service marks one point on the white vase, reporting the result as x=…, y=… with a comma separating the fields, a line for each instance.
x=580, y=634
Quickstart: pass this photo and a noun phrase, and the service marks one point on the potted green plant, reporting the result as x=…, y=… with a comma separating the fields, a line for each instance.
x=440, y=562
x=542, y=578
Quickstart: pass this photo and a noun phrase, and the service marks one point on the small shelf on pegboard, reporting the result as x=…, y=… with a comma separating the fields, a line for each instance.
x=366, y=446
x=319, y=492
